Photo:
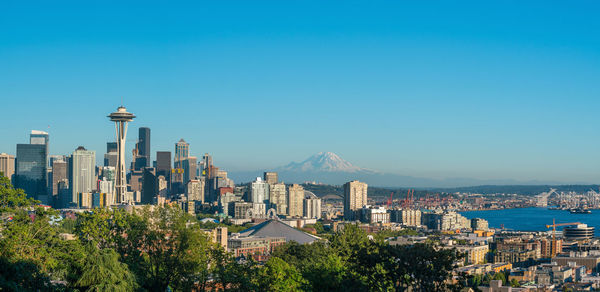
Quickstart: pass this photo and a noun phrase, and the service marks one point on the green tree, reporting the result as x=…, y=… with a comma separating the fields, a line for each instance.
x=102, y=271
x=279, y=276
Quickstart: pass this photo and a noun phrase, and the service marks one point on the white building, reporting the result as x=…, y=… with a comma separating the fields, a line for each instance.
x=312, y=205
x=259, y=192
x=83, y=168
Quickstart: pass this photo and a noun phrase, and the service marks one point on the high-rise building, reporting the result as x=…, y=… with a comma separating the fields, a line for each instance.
x=163, y=163
x=271, y=177
x=144, y=146
x=278, y=196
x=112, y=147
x=149, y=185
x=30, y=172
x=83, y=168
x=355, y=197
x=259, y=192
x=206, y=165
x=295, y=200
x=7, y=165
x=121, y=118
x=112, y=154
x=39, y=138
x=195, y=190
x=60, y=172
x=312, y=206
x=182, y=152
x=189, y=168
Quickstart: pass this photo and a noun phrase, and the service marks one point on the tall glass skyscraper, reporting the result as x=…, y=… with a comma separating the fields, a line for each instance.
x=83, y=166
x=31, y=174
x=144, y=146
x=182, y=151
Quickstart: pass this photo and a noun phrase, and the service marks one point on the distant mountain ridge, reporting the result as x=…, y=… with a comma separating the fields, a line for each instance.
x=323, y=162
x=329, y=168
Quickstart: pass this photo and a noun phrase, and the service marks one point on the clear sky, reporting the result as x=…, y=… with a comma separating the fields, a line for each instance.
x=481, y=89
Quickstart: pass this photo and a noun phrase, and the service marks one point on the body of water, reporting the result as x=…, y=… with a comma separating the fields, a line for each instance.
x=533, y=219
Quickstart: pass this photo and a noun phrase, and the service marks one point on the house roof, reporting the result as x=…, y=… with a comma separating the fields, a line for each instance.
x=276, y=228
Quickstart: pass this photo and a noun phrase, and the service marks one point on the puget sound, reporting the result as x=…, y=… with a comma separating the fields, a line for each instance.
x=533, y=219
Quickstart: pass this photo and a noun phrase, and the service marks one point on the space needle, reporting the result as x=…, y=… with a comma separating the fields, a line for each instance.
x=121, y=117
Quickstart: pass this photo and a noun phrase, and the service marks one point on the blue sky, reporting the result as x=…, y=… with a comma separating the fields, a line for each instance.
x=480, y=89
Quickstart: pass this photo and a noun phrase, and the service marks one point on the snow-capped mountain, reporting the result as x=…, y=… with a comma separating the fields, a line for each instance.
x=323, y=162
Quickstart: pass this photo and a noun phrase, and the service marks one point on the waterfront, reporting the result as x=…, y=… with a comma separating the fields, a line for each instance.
x=533, y=219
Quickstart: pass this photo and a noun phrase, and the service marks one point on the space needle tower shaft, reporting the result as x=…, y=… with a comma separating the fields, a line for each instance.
x=121, y=118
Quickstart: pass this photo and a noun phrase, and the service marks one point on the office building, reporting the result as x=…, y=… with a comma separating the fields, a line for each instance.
x=112, y=154
x=7, y=165
x=39, y=138
x=83, y=168
x=408, y=217
x=445, y=221
x=206, y=165
x=240, y=209
x=355, y=197
x=195, y=190
x=312, y=206
x=271, y=178
x=278, y=196
x=182, y=152
x=144, y=147
x=121, y=118
x=163, y=163
x=295, y=200
x=226, y=201
x=189, y=168
x=64, y=197
x=60, y=172
x=373, y=215
x=259, y=192
x=112, y=147
x=30, y=172
x=577, y=232
x=149, y=190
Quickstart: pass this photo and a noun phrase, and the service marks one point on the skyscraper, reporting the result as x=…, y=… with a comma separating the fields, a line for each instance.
x=182, y=151
x=163, y=162
x=149, y=185
x=112, y=154
x=312, y=206
x=121, y=118
x=259, y=192
x=271, y=177
x=31, y=174
x=83, y=167
x=195, y=191
x=295, y=200
x=206, y=165
x=60, y=172
x=144, y=146
x=355, y=197
x=189, y=168
x=7, y=165
x=278, y=198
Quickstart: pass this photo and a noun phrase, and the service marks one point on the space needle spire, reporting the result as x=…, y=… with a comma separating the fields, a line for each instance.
x=121, y=118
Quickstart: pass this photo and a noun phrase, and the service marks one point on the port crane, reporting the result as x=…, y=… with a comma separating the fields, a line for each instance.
x=390, y=200
x=554, y=225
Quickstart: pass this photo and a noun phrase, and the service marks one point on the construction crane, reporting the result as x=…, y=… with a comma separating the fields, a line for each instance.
x=554, y=225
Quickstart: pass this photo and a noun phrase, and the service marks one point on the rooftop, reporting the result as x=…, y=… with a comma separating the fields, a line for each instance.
x=276, y=228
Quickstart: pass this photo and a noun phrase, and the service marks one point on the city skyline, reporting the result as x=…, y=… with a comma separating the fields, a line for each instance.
x=497, y=94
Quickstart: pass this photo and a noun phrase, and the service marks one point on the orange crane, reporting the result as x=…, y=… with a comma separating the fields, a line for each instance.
x=389, y=201
x=554, y=225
